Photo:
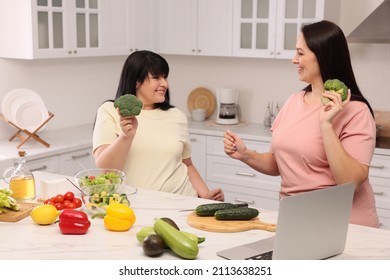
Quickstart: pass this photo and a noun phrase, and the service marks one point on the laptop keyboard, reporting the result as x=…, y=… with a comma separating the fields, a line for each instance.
x=262, y=256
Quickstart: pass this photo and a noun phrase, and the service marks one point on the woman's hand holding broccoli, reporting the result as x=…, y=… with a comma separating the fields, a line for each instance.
x=129, y=125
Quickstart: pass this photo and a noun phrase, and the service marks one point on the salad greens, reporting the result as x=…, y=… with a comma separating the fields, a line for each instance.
x=108, y=178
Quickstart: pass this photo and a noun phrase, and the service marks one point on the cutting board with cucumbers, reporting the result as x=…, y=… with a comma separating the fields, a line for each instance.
x=15, y=216
x=212, y=224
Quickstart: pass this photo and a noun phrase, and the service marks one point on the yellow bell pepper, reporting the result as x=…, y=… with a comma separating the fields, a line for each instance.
x=119, y=217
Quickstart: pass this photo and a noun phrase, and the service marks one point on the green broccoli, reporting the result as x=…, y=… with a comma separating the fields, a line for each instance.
x=129, y=105
x=336, y=86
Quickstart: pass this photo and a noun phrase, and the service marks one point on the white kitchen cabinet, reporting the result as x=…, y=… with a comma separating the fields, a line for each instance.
x=198, y=156
x=75, y=161
x=269, y=28
x=50, y=28
x=32, y=29
x=45, y=164
x=4, y=164
x=197, y=27
x=240, y=182
x=380, y=181
x=131, y=26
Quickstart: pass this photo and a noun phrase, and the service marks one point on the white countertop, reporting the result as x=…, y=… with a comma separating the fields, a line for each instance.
x=248, y=131
x=61, y=141
x=27, y=240
x=79, y=137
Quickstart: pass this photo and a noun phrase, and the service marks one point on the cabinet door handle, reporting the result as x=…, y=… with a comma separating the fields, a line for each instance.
x=43, y=167
x=377, y=166
x=80, y=156
x=378, y=193
x=192, y=139
x=244, y=201
x=245, y=174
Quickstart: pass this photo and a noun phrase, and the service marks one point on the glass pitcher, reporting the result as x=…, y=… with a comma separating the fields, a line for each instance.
x=20, y=179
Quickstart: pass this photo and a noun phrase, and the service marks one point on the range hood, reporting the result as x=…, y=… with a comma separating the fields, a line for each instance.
x=375, y=28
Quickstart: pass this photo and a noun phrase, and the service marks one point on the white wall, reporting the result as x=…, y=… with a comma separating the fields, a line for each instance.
x=73, y=88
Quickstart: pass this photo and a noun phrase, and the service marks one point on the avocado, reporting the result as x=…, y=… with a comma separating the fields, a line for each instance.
x=153, y=245
x=171, y=222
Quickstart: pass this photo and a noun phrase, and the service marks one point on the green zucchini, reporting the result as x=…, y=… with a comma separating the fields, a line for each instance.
x=236, y=214
x=178, y=242
x=210, y=208
x=148, y=230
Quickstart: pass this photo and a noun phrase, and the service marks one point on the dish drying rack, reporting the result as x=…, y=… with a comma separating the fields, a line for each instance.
x=24, y=134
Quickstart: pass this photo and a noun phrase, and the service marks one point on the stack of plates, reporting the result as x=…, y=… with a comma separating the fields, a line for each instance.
x=25, y=108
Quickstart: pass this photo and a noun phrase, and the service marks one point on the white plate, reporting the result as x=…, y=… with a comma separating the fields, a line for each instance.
x=17, y=97
x=30, y=115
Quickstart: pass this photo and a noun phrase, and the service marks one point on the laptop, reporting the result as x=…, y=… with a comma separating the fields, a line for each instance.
x=310, y=226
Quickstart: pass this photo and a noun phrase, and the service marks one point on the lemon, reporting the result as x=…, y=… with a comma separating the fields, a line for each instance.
x=45, y=214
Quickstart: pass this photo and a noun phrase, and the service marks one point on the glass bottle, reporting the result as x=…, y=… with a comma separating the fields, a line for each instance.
x=22, y=182
x=268, y=116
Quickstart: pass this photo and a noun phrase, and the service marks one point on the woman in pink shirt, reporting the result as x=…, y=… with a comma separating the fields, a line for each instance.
x=317, y=146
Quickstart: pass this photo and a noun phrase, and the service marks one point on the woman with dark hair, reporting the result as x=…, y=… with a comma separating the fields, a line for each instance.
x=152, y=148
x=316, y=146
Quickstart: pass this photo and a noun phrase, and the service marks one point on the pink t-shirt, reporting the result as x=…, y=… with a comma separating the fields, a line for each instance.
x=298, y=149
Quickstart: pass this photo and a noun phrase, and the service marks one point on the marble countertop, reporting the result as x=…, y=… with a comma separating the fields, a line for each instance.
x=26, y=240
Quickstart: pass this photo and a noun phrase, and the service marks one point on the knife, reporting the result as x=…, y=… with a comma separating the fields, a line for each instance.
x=238, y=205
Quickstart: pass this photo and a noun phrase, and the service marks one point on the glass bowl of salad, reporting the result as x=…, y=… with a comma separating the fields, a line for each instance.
x=96, y=198
x=91, y=177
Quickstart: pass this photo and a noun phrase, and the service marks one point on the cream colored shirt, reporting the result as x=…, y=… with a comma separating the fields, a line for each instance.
x=159, y=146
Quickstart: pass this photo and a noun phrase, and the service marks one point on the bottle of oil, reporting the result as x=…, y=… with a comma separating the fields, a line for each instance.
x=22, y=182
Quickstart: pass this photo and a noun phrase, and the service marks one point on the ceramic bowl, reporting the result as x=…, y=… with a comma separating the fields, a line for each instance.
x=198, y=115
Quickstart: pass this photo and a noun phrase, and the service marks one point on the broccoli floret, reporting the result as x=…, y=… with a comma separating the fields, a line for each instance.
x=129, y=105
x=336, y=86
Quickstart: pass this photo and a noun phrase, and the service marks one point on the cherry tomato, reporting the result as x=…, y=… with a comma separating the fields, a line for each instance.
x=59, y=198
x=49, y=201
x=91, y=177
x=77, y=202
x=66, y=203
x=71, y=205
x=69, y=196
x=59, y=206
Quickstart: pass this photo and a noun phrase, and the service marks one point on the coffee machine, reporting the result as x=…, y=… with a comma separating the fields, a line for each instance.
x=228, y=108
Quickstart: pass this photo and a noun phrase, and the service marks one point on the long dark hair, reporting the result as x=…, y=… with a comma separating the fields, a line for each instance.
x=136, y=69
x=327, y=41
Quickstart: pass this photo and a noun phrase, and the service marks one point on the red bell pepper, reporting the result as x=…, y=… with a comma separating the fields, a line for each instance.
x=74, y=222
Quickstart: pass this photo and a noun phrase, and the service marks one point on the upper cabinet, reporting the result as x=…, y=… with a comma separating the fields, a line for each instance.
x=130, y=26
x=50, y=28
x=269, y=28
x=197, y=27
x=32, y=29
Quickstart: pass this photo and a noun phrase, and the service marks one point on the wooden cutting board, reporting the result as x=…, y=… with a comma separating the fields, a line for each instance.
x=212, y=224
x=15, y=216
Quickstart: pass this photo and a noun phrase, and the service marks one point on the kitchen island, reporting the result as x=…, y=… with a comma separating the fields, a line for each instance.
x=26, y=240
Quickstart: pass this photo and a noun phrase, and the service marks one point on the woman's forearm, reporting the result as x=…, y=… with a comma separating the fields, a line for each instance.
x=113, y=155
x=343, y=166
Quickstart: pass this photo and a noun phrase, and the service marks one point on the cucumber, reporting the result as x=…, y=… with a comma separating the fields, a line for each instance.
x=236, y=214
x=210, y=208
